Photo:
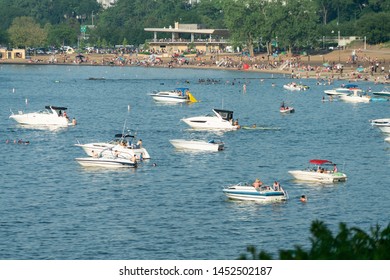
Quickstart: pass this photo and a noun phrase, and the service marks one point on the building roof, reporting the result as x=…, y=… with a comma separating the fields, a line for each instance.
x=221, y=32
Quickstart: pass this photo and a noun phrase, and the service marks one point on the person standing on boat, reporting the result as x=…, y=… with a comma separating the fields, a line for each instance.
x=257, y=183
x=276, y=186
x=139, y=144
x=335, y=168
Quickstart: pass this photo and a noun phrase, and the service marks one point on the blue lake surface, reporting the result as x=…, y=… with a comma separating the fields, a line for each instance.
x=52, y=208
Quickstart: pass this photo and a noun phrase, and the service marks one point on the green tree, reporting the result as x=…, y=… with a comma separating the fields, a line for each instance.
x=372, y=26
x=25, y=32
x=245, y=20
x=297, y=26
x=61, y=34
x=349, y=244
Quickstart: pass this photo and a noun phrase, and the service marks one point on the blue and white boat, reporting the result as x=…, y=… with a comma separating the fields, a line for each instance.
x=176, y=96
x=343, y=90
x=245, y=191
x=384, y=92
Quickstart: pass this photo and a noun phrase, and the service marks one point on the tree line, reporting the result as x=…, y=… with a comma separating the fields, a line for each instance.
x=289, y=24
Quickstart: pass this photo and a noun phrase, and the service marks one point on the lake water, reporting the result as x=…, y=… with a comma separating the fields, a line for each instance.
x=52, y=208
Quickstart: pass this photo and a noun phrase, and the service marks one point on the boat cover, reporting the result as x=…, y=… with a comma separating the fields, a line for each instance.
x=319, y=161
x=56, y=108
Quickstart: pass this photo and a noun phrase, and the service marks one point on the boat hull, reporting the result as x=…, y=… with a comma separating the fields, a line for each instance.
x=382, y=93
x=169, y=98
x=41, y=119
x=355, y=99
x=314, y=176
x=246, y=192
x=205, y=122
x=385, y=128
x=287, y=111
x=196, y=145
x=106, y=162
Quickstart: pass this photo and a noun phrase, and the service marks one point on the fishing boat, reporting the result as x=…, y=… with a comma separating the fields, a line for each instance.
x=245, y=191
x=221, y=120
x=323, y=171
x=51, y=116
x=177, y=95
x=199, y=145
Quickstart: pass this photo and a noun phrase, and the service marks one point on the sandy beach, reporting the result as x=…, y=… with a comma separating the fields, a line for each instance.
x=372, y=64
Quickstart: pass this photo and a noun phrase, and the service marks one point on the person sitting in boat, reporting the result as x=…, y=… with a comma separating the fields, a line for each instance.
x=334, y=168
x=95, y=154
x=257, y=183
x=65, y=114
x=276, y=186
x=282, y=106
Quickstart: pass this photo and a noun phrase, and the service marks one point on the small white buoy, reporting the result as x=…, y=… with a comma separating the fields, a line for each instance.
x=26, y=101
x=13, y=90
x=128, y=108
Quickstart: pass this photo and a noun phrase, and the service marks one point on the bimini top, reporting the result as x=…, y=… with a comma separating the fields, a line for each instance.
x=320, y=161
x=56, y=108
x=224, y=114
x=121, y=135
x=350, y=86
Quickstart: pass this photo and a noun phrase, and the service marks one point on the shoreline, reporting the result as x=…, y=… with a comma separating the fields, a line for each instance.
x=307, y=67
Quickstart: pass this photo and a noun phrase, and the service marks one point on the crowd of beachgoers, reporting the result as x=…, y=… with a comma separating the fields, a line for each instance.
x=336, y=66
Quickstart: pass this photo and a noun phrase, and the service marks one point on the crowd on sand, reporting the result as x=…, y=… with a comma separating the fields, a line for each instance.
x=355, y=65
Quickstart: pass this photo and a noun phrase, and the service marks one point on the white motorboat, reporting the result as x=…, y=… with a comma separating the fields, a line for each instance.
x=245, y=191
x=323, y=171
x=355, y=97
x=387, y=139
x=198, y=145
x=106, y=161
x=221, y=120
x=119, y=145
x=380, y=122
x=384, y=92
x=295, y=87
x=343, y=90
x=177, y=95
x=51, y=116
